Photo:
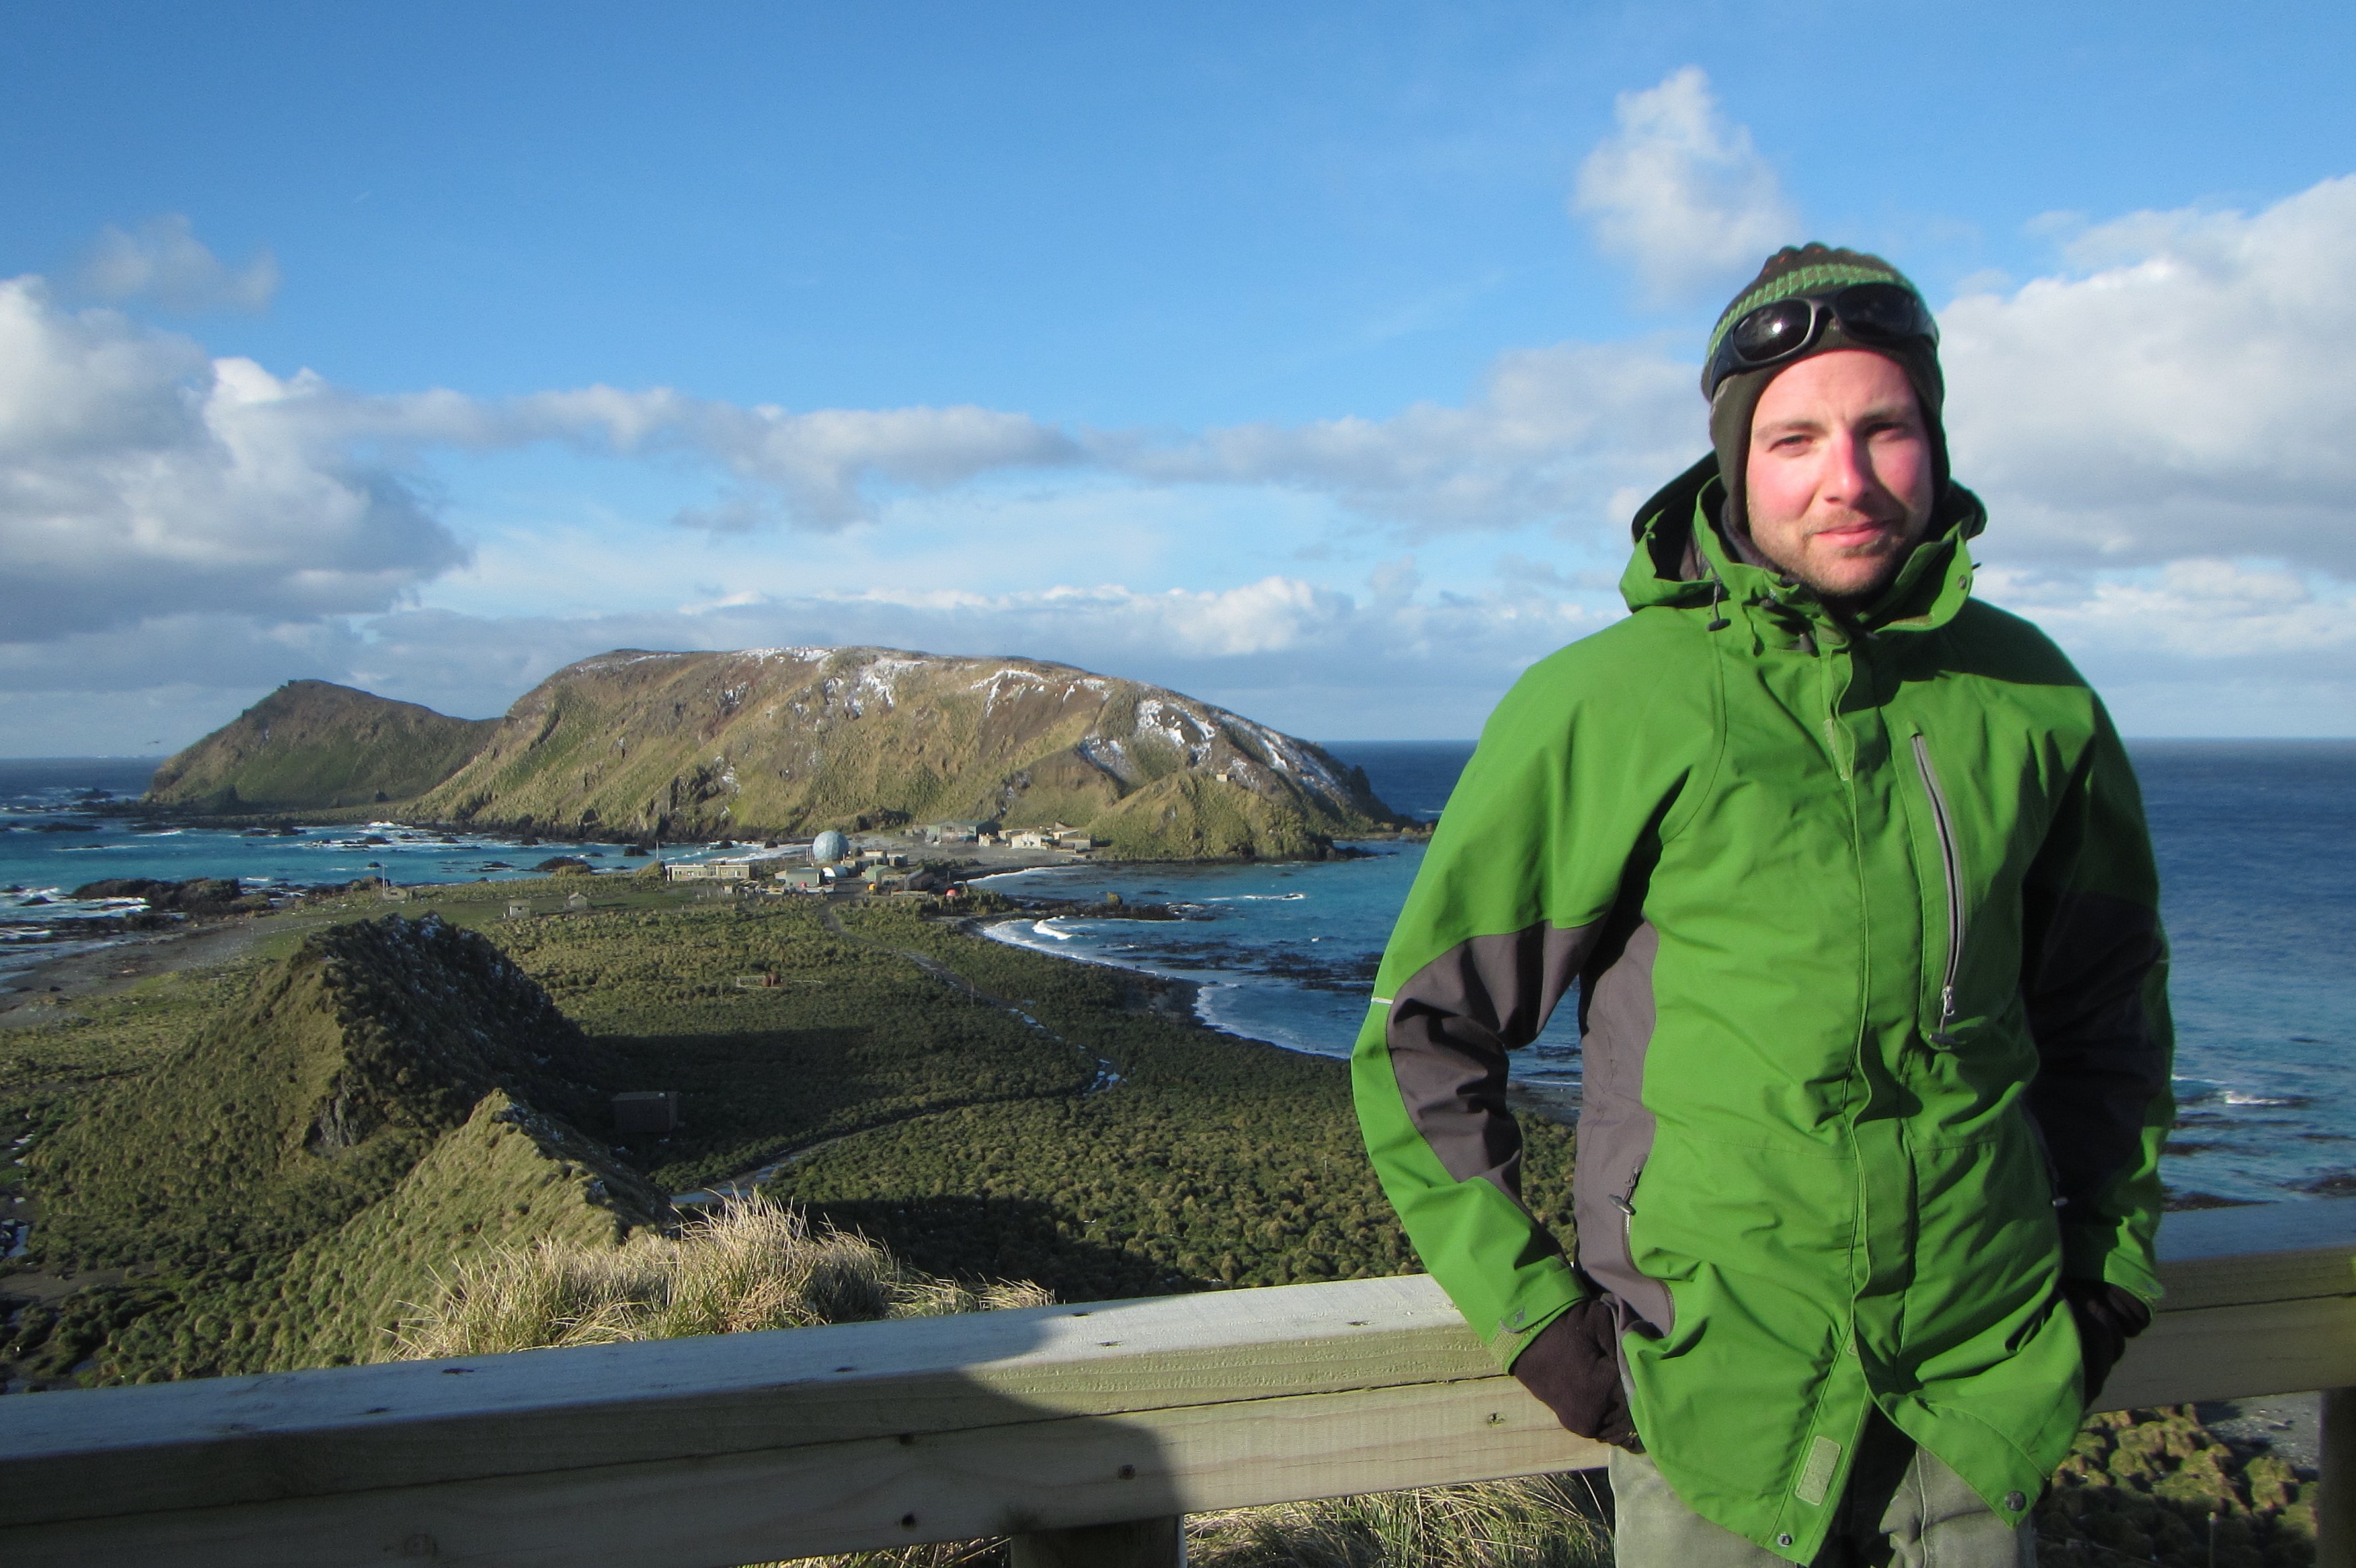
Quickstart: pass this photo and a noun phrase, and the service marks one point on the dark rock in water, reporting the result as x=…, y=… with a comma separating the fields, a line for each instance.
x=636, y=852
x=65, y=827
x=196, y=893
x=121, y=888
x=495, y=866
x=561, y=865
x=374, y=838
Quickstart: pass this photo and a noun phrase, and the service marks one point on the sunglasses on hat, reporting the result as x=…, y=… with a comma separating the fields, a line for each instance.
x=1868, y=312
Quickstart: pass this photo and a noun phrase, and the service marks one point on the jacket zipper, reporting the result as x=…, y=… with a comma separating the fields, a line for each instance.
x=1627, y=1203
x=1950, y=863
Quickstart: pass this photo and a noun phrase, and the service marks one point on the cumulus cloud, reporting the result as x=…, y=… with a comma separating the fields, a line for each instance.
x=139, y=479
x=2182, y=391
x=1679, y=192
x=163, y=261
x=1550, y=437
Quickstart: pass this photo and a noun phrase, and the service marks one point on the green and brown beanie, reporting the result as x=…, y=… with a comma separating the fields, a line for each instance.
x=1812, y=269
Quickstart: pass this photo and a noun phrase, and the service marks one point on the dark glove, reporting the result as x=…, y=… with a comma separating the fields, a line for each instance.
x=1573, y=1366
x=2108, y=1316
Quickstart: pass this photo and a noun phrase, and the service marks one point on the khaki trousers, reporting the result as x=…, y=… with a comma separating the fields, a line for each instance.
x=1903, y=1508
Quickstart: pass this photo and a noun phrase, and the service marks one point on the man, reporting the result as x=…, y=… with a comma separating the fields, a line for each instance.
x=1851, y=874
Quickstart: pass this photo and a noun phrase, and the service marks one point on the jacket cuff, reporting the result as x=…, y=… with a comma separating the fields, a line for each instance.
x=2094, y=1252
x=1537, y=1302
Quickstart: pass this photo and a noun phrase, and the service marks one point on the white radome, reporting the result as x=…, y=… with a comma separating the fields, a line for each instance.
x=827, y=848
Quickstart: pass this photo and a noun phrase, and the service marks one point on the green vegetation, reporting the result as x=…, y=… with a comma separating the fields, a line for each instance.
x=1213, y=1161
x=275, y=1187
x=2157, y=1487
x=311, y=744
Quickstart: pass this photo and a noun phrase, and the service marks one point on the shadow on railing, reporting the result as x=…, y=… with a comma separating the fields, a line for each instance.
x=1035, y=1423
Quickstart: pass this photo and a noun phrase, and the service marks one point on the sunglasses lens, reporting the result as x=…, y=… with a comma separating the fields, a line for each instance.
x=1881, y=311
x=1770, y=331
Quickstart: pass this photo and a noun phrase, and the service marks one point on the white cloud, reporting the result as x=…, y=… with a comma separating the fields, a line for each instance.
x=165, y=262
x=138, y=478
x=2205, y=610
x=820, y=469
x=1551, y=437
x=2184, y=392
x=1680, y=193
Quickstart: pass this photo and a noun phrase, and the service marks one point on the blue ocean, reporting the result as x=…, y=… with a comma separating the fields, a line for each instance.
x=2254, y=842
x=2254, y=839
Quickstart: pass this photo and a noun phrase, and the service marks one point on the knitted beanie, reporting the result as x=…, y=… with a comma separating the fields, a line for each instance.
x=1812, y=269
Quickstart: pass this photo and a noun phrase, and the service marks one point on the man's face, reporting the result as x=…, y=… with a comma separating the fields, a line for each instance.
x=1840, y=473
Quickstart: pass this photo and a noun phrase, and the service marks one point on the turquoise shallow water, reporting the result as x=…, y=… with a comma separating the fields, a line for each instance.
x=2254, y=843
x=40, y=867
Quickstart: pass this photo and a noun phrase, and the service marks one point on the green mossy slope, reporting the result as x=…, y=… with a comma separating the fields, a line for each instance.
x=313, y=745
x=392, y=1093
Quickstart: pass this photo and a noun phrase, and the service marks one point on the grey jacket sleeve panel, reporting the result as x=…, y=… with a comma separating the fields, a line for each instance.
x=1450, y=1028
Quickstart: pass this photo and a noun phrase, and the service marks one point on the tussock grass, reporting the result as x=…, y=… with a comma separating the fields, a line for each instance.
x=1542, y=1522
x=752, y=1264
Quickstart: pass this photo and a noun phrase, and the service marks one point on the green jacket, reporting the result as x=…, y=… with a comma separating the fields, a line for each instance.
x=1872, y=997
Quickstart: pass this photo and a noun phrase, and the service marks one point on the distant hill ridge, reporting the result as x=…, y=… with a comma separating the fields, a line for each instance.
x=637, y=744
x=313, y=745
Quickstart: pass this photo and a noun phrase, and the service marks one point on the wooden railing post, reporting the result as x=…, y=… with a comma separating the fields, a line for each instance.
x=1140, y=1544
x=2335, y=1510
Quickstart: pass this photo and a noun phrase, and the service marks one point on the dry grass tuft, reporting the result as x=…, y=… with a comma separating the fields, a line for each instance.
x=1541, y=1521
x=754, y=1264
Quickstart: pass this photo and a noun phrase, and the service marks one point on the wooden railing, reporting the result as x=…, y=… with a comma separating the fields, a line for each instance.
x=1036, y=1423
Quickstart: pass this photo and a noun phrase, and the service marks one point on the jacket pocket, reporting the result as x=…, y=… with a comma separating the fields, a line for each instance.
x=1951, y=866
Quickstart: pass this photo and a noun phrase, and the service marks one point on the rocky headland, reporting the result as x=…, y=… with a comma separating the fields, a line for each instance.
x=779, y=741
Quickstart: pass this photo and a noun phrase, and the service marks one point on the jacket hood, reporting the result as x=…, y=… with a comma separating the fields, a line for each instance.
x=1681, y=560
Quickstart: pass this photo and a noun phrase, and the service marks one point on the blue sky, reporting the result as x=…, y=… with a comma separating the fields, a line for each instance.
x=1308, y=359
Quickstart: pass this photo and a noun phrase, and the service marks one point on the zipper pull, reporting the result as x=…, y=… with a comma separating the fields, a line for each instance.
x=1942, y=1035
x=1623, y=1204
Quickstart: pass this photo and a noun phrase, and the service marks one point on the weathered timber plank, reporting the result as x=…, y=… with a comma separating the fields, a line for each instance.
x=308, y=1433
x=2263, y=1252
x=1052, y=1474
x=2235, y=1352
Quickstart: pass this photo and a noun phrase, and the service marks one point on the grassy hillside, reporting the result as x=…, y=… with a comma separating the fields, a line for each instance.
x=706, y=745
x=311, y=745
x=275, y=1187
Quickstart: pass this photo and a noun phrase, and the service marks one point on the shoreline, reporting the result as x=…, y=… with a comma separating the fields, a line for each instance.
x=1556, y=1103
